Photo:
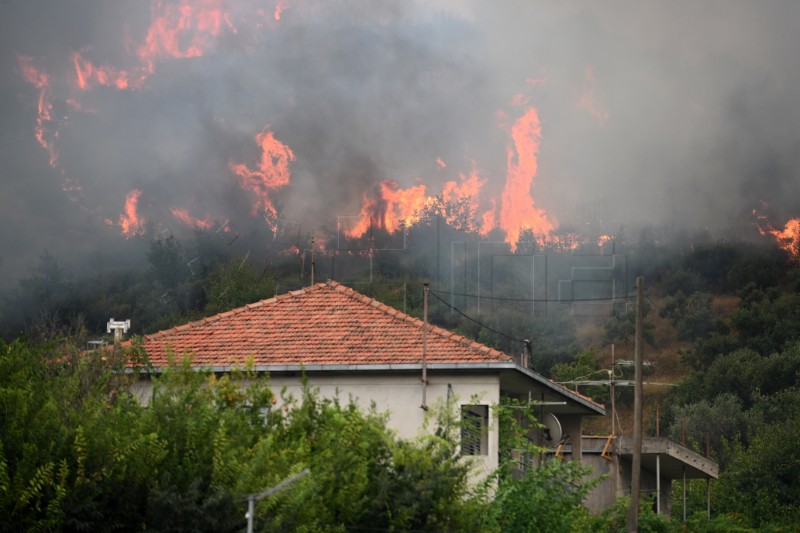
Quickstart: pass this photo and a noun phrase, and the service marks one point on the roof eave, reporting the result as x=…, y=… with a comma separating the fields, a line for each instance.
x=501, y=366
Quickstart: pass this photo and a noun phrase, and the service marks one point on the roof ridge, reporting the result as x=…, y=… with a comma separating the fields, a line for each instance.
x=397, y=314
x=238, y=310
x=356, y=298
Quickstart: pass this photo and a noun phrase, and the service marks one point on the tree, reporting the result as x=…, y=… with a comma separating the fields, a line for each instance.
x=236, y=284
x=723, y=420
x=692, y=316
x=766, y=321
x=547, y=498
x=49, y=284
x=621, y=327
x=584, y=367
x=761, y=480
x=74, y=439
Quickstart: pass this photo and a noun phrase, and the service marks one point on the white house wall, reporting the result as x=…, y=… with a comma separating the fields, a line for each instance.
x=399, y=395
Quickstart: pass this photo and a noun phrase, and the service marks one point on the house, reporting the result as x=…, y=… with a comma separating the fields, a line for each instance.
x=353, y=346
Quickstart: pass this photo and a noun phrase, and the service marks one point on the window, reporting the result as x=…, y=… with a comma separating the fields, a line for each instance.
x=474, y=430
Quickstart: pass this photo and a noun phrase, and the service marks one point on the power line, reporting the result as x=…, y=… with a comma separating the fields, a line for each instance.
x=481, y=324
x=543, y=300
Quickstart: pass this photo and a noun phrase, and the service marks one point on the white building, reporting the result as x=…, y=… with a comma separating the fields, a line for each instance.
x=354, y=346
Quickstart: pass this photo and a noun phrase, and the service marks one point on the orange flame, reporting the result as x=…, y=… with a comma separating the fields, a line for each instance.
x=390, y=208
x=602, y=239
x=488, y=219
x=403, y=206
x=40, y=80
x=272, y=171
x=87, y=74
x=184, y=216
x=129, y=219
x=182, y=31
x=461, y=201
x=280, y=7
x=789, y=238
x=518, y=210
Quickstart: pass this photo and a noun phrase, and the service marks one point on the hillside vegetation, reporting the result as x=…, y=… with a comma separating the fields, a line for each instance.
x=722, y=331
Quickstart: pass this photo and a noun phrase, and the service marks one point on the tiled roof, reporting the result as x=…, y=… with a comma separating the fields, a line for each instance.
x=325, y=324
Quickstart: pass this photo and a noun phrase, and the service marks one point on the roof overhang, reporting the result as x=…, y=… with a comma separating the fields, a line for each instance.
x=521, y=382
x=515, y=380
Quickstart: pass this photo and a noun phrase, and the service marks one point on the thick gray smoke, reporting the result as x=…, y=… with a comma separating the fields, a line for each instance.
x=663, y=113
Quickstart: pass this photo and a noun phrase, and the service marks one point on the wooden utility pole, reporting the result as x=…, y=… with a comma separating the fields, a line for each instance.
x=636, y=469
x=313, y=265
x=425, y=346
x=613, y=394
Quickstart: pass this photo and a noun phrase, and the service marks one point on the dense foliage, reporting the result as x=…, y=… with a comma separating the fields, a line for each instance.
x=728, y=313
x=79, y=452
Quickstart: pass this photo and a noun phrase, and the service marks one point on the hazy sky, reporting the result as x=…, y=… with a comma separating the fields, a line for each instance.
x=676, y=113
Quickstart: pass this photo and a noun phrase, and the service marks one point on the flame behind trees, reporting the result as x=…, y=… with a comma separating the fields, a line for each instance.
x=188, y=29
x=787, y=238
x=467, y=204
x=129, y=220
x=271, y=172
x=518, y=211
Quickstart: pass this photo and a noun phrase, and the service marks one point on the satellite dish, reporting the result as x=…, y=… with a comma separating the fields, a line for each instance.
x=552, y=429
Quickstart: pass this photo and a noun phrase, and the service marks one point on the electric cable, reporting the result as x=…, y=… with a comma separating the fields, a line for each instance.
x=535, y=300
x=507, y=336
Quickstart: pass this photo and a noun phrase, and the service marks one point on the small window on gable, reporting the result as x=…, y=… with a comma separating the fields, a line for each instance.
x=474, y=430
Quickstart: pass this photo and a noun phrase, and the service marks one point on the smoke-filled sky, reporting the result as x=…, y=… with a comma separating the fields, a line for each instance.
x=197, y=112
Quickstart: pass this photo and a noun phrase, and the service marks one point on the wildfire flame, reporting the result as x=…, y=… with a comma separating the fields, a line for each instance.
x=184, y=216
x=279, y=8
x=460, y=201
x=518, y=211
x=271, y=173
x=392, y=207
x=184, y=30
x=129, y=220
x=788, y=238
x=88, y=74
x=39, y=79
x=389, y=208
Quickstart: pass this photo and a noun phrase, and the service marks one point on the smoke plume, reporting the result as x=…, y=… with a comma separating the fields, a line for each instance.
x=238, y=113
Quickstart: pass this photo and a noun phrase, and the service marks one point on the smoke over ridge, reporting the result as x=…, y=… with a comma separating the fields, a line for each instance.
x=673, y=113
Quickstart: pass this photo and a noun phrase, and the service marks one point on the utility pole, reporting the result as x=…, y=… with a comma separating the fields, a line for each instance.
x=426, y=288
x=613, y=394
x=636, y=469
x=313, y=265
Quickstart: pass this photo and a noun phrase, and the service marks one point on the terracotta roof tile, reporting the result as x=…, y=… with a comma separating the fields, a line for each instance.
x=327, y=323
